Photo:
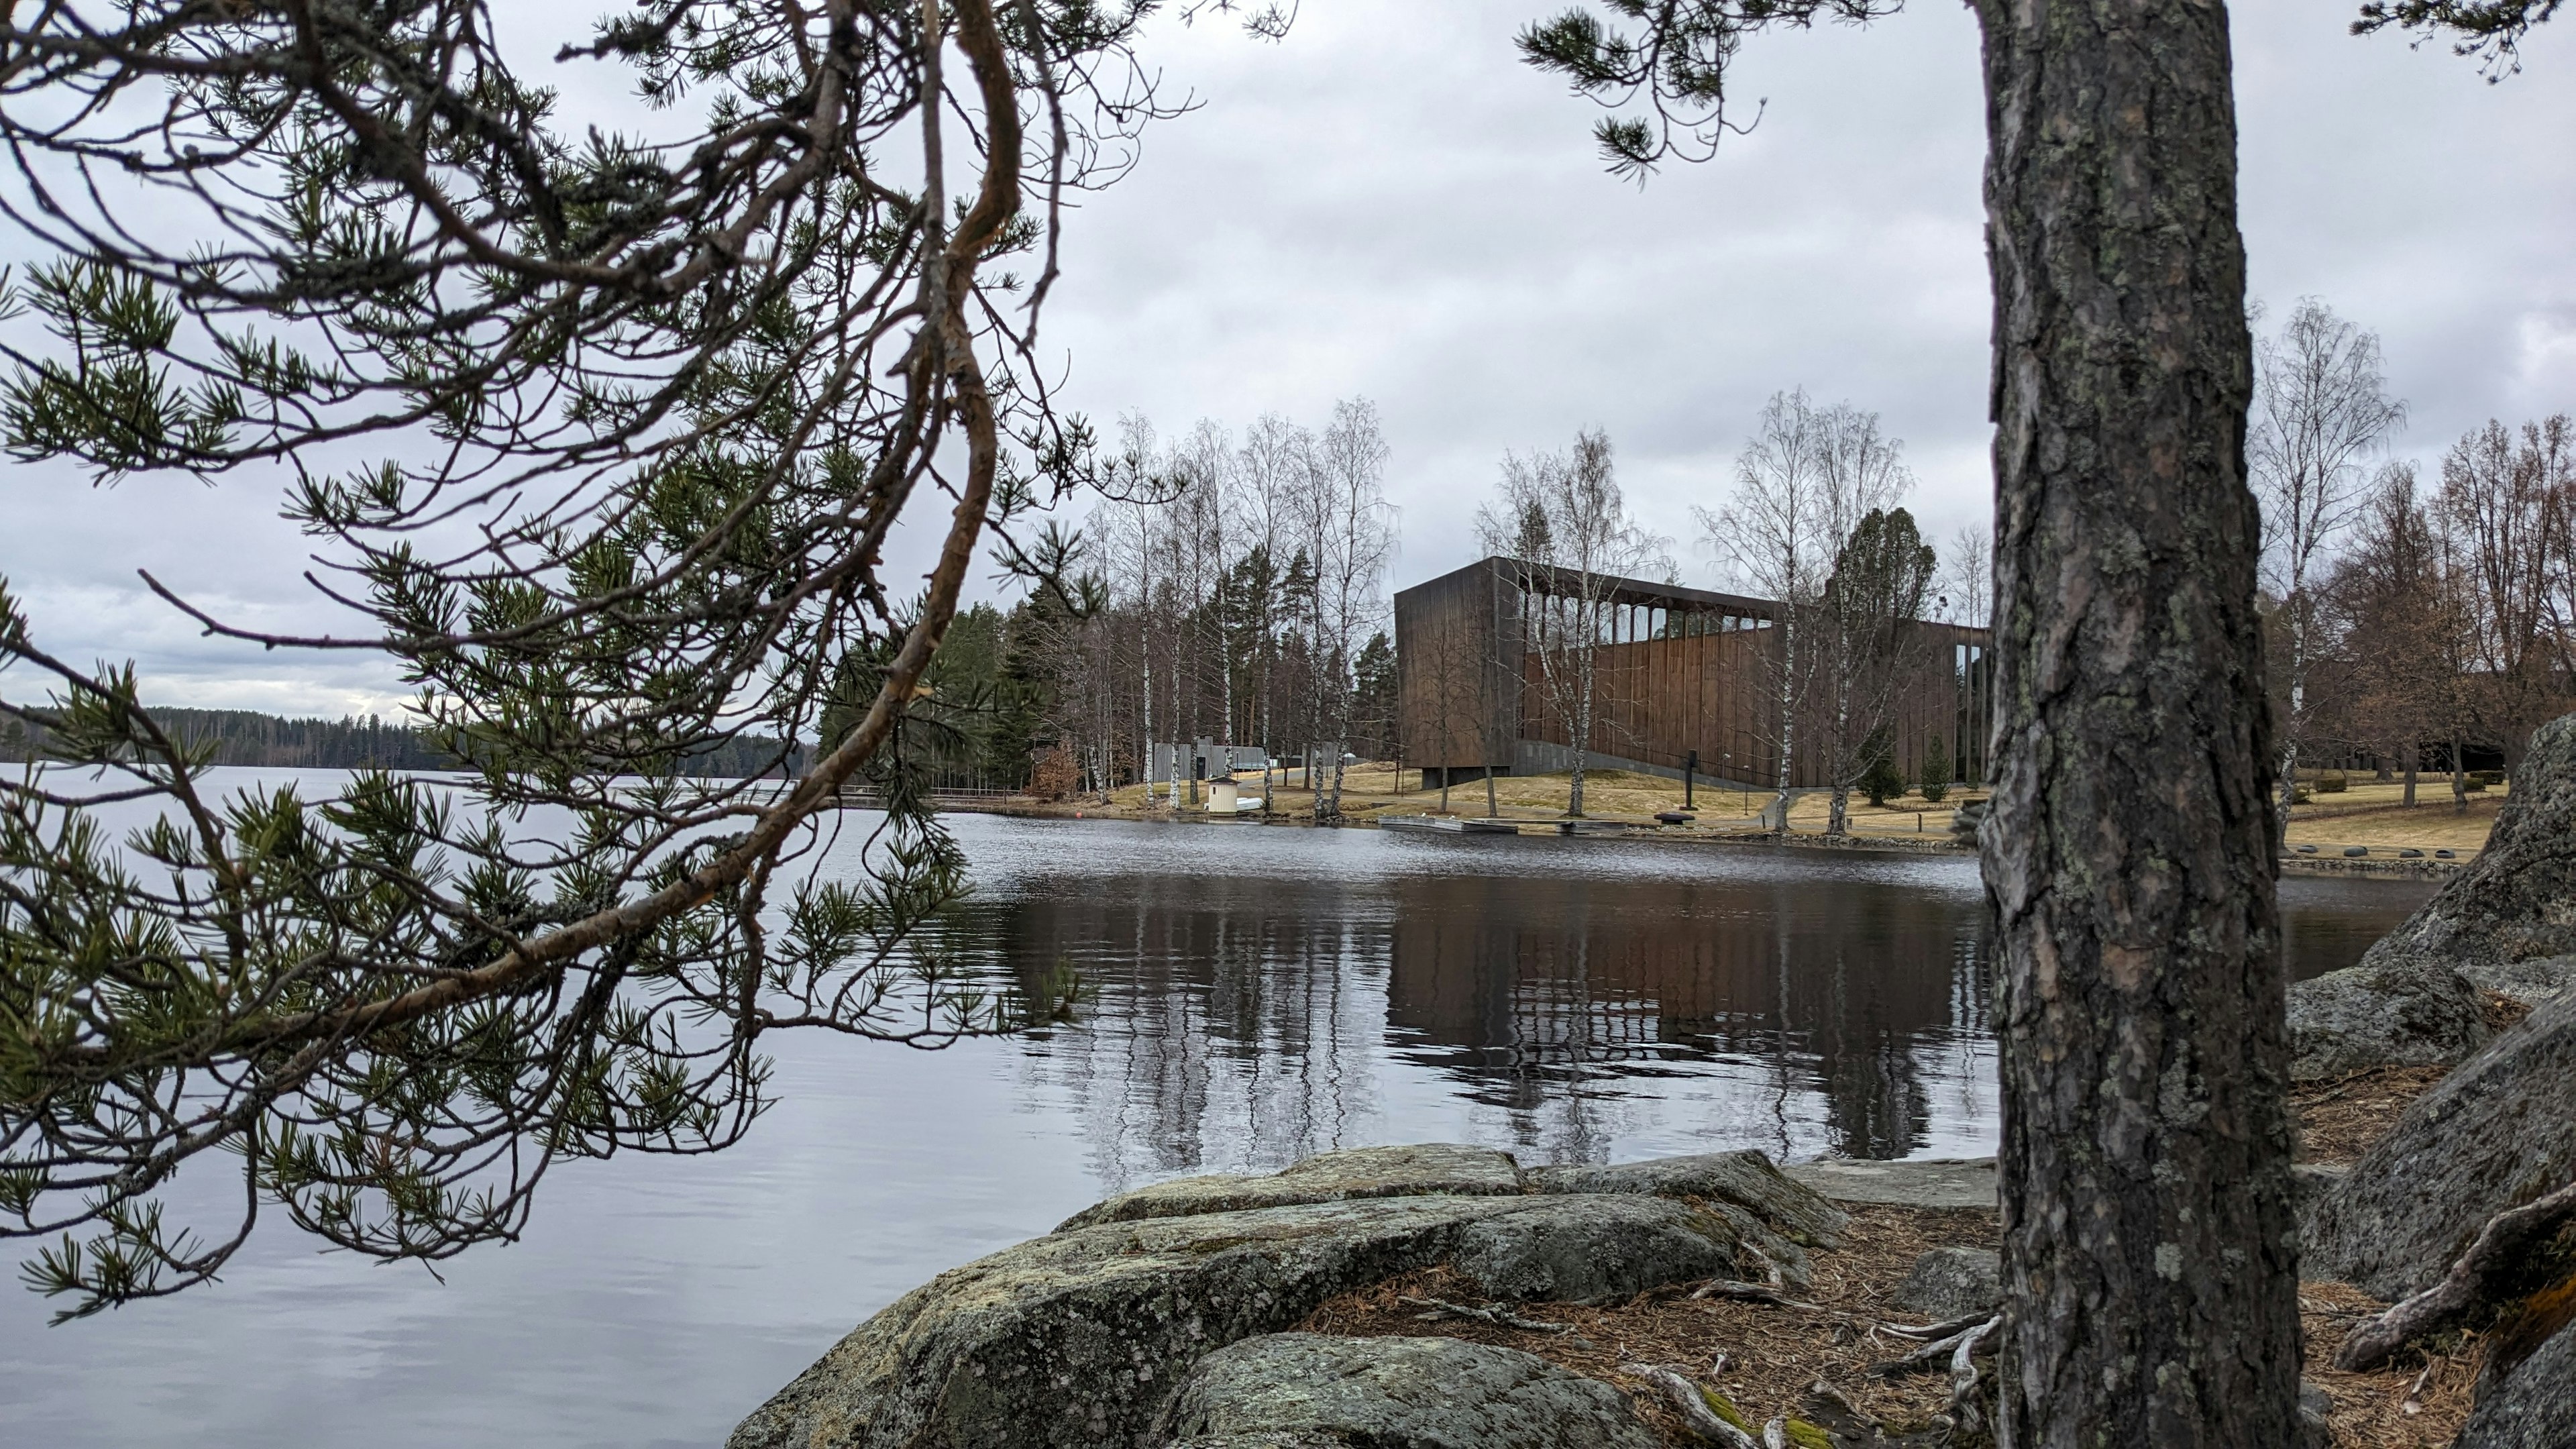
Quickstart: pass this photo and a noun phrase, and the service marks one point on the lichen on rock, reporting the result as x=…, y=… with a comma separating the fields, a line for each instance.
x=1081, y=1337
x=1426, y=1169
x=1314, y=1391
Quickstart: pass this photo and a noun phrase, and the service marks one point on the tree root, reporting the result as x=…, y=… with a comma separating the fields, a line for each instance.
x=2471, y=1284
x=1949, y=1331
x=1441, y=1308
x=1823, y=1389
x=1701, y=1420
x=1976, y=1338
x=1964, y=1412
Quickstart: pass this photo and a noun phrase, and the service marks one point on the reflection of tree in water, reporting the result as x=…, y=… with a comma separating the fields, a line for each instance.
x=1238, y=1024
x=1234, y=1024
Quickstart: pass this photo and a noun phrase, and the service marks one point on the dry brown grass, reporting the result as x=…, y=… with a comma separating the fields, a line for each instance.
x=2359, y=816
x=2431, y=825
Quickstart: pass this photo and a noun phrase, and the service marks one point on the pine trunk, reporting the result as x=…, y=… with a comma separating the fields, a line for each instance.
x=2148, y=1243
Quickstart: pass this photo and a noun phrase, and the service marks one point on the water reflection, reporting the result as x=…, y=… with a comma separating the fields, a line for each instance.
x=1518, y=988
x=1255, y=988
x=1260, y=994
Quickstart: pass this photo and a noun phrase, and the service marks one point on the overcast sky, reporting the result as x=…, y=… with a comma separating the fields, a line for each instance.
x=1387, y=204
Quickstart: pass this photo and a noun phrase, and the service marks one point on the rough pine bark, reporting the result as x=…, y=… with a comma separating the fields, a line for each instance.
x=2146, y=1150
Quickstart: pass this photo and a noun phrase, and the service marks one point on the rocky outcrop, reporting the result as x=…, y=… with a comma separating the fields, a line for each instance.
x=1309, y=1391
x=2496, y=1133
x=1429, y=1169
x=2517, y=901
x=2502, y=923
x=1080, y=1337
x=1747, y=1180
x=2531, y=981
x=1770, y=1213
x=2531, y=1404
x=1953, y=1283
x=1947, y=1183
x=2387, y=1011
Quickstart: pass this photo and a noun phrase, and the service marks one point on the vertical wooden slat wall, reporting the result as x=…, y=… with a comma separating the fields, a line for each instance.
x=1687, y=673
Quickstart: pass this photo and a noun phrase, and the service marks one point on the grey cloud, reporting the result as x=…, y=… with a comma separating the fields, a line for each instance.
x=1389, y=204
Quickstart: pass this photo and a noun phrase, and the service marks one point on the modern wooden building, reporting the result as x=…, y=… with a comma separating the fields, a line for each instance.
x=1680, y=673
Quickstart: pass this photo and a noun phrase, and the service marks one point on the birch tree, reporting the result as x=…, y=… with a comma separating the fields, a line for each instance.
x=1874, y=604
x=2321, y=413
x=1356, y=544
x=1561, y=524
x=1766, y=534
x=1968, y=578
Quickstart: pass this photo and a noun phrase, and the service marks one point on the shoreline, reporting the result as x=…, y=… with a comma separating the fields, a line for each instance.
x=2426, y=868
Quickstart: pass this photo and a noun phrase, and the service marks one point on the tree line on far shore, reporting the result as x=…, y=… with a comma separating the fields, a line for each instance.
x=353, y=742
x=1226, y=587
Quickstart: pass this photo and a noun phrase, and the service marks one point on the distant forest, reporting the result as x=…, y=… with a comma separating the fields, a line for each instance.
x=246, y=737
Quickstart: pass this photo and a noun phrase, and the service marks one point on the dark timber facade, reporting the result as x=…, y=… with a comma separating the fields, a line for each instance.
x=1680, y=672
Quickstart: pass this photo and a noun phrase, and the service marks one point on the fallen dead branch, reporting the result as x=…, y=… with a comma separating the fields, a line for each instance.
x=2467, y=1287
x=1824, y=1389
x=1743, y=1292
x=1441, y=1308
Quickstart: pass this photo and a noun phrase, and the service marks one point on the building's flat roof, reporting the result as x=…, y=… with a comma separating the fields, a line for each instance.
x=1650, y=593
x=1627, y=591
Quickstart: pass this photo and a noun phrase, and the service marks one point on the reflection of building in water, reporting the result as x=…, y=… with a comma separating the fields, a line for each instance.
x=1521, y=986
x=1239, y=1024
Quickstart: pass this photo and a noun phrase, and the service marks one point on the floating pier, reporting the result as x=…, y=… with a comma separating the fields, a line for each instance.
x=1448, y=824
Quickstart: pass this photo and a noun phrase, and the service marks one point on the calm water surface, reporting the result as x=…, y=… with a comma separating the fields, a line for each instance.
x=1261, y=994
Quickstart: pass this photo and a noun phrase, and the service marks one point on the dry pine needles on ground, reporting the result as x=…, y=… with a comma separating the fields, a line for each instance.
x=1771, y=1353
x=2340, y=1119
x=1765, y=1357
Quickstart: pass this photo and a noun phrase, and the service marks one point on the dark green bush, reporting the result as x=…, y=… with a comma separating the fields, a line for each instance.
x=2333, y=782
x=1882, y=781
x=1936, y=770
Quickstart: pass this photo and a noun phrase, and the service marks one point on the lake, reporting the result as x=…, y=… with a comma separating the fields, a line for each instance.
x=1256, y=994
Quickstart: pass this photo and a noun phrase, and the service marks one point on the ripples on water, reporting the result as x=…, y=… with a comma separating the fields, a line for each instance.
x=1258, y=994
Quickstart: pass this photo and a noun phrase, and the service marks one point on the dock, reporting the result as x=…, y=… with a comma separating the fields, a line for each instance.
x=1448, y=824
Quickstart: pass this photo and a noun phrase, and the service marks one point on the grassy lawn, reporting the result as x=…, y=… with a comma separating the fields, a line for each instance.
x=2366, y=814
x=2373, y=814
